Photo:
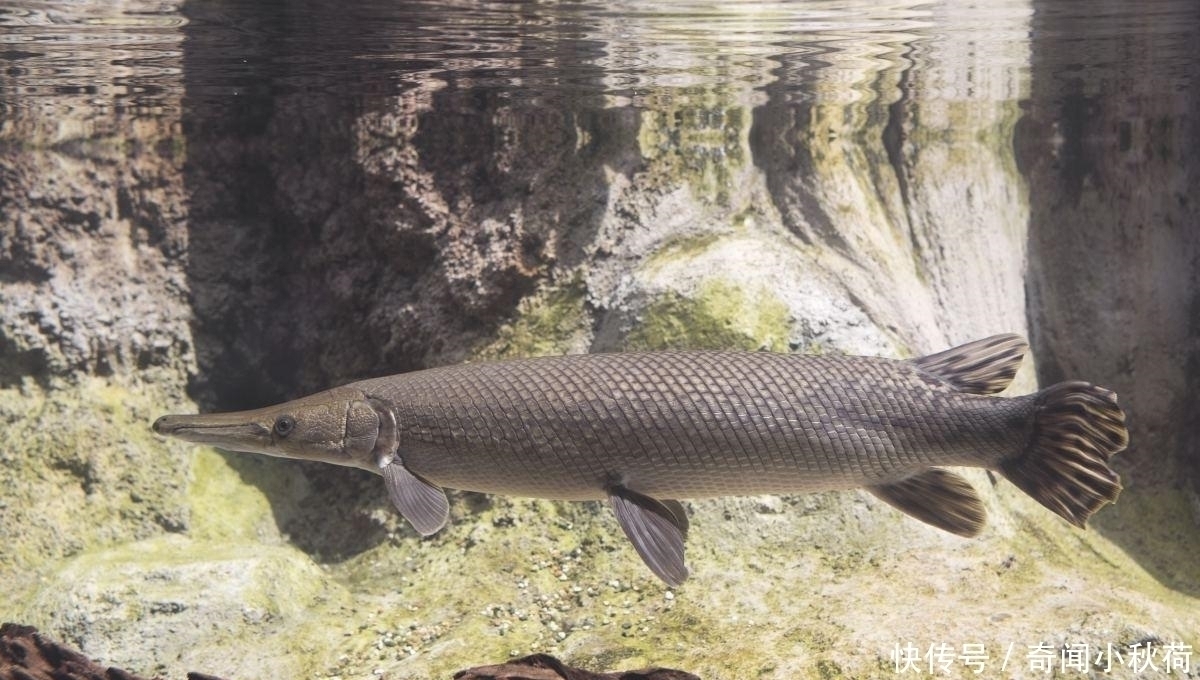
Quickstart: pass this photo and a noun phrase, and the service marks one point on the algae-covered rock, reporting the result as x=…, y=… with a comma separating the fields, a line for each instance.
x=79, y=471
x=169, y=603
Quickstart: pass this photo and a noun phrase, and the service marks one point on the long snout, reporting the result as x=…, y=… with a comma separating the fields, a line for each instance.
x=241, y=431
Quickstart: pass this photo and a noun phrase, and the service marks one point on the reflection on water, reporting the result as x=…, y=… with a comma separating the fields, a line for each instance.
x=522, y=51
x=131, y=53
x=97, y=52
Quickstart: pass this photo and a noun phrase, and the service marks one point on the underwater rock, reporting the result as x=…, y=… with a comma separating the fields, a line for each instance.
x=91, y=248
x=546, y=667
x=26, y=654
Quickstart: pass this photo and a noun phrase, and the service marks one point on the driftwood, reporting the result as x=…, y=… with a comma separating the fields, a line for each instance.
x=545, y=667
x=25, y=654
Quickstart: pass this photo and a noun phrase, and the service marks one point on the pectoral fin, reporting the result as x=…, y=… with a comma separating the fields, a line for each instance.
x=937, y=497
x=678, y=516
x=657, y=530
x=424, y=505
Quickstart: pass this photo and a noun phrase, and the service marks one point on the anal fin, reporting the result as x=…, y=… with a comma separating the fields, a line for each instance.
x=937, y=497
x=424, y=505
x=657, y=530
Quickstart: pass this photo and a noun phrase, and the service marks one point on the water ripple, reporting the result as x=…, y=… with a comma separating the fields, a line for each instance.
x=527, y=51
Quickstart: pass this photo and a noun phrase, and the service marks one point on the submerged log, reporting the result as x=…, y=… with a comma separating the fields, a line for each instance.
x=546, y=667
x=25, y=654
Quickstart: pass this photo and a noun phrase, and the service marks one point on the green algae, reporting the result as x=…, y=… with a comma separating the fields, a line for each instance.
x=548, y=322
x=1045, y=553
x=562, y=580
x=224, y=507
x=680, y=248
x=79, y=469
x=720, y=316
x=93, y=557
x=544, y=577
x=1159, y=526
x=96, y=515
x=228, y=595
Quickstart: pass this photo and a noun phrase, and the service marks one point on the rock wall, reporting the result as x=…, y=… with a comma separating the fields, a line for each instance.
x=1114, y=269
x=1115, y=253
x=399, y=234
x=94, y=232
x=910, y=197
x=94, y=324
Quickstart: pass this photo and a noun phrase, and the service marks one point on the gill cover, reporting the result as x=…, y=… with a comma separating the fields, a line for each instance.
x=337, y=426
x=361, y=432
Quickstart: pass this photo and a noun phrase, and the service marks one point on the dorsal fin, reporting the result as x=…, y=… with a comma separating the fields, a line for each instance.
x=985, y=366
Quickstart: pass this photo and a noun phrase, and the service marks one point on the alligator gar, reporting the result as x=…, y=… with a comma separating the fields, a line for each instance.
x=643, y=430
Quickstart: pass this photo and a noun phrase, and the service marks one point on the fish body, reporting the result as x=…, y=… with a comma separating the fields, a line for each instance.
x=644, y=430
x=690, y=424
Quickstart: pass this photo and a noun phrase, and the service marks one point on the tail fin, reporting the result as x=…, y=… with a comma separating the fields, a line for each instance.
x=1078, y=427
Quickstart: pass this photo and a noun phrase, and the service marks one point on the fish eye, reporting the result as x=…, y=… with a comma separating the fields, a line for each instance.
x=284, y=425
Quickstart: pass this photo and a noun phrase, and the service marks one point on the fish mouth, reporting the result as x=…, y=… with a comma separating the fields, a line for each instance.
x=217, y=429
